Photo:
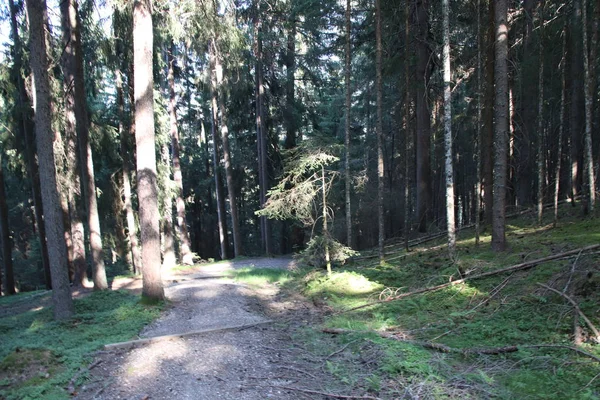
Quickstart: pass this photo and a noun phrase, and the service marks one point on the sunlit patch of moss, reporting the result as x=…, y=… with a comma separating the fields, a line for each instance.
x=260, y=276
x=343, y=283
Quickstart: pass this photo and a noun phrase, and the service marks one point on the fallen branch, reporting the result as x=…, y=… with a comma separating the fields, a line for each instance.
x=484, y=350
x=431, y=345
x=138, y=342
x=517, y=267
x=71, y=387
x=577, y=310
x=333, y=395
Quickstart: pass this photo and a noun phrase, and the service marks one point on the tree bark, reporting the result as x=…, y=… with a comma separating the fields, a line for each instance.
x=145, y=146
x=74, y=61
x=540, y=117
x=561, y=127
x=168, y=234
x=501, y=126
x=577, y=70
x=449, y=169
x=28, y=134
x=423, y=71
x=186, y=256
x=347, y=72
x=61, y=292
x=407, y=133
x=380, y=166
x=478, y=131
x=73, y=184
x=487, y=138
x=261, y=137
x=590, y=52
x=222, y=217
x=5, y=239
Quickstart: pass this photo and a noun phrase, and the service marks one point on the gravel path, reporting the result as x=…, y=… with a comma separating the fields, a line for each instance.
x=257, y=362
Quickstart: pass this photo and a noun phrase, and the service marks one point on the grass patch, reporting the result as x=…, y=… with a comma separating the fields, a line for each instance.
x=53, y=351
x=261, y=276
x=492, y=312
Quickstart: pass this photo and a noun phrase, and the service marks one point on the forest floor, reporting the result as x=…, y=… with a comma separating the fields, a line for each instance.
x=246, y=349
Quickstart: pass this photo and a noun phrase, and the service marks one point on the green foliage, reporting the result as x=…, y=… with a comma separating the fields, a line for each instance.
x=314, y=254
x=261, y=276
x=101, y=318
x=475, y=314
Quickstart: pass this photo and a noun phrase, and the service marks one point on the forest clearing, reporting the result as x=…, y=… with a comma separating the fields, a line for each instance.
x=359, y=199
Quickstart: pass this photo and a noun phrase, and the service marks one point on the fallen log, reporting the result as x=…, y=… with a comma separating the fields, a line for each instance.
x=517, y=267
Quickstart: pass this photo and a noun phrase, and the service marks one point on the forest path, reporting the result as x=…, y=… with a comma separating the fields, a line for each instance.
x=253, y=362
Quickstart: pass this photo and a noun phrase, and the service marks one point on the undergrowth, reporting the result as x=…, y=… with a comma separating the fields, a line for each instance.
x=40, y=356
x=501, y=310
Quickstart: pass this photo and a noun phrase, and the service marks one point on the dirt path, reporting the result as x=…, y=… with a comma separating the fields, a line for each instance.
x=250, y=363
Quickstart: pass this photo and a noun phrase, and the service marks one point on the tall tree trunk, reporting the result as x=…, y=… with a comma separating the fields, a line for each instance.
x=74, y=73
x=27, y=133
x=222, y=217
x=407, y=133
x=168, y=234
x=380, y=166
x=450, y=219
x=561, y=127
x=233, y=206
x=73, y=184
x=261, y=136
x=61, y=292
x=5, y=240
x=477, y=196
x=577, y=70
x=347, y=72
x=501, y=126
x=145, y=146
x=423, y=71
x=487, y=138
x=590, y=51
x=540, y=129
x=325, y=226
x=185, y=252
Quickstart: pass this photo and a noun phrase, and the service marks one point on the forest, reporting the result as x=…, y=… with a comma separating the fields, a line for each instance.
x=140, y=138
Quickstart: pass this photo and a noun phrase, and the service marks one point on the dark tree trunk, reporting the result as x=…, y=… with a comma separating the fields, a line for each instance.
x=28, y=134
x=487, y=138
x=145, y=145
x=61, y=292
x=577, y=105
x=185, y=252
x=380, y=166
x=501, y=126
x=347, y=72
x=423, y=139
x=168, y=234
x=5, y=240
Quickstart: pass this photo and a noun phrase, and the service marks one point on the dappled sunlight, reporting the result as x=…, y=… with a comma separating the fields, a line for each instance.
x=146, y=362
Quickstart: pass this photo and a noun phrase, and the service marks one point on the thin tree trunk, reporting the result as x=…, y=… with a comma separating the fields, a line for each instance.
x=487, y=139
x=5, y=240
x=222, y=217
x=145, y=146
x=477, y=196
x=61, y=292
x=450, y=219
x=73, y=184
x=577, y=70
x=133, y=245
x=27, y=127
x=561, y=128
x=540, y=128
x=347, y=72
x=407, y=133
x=168, y=234
x=74, y=56
x=501, y=126
x=325, y=227
x=589, y=61
x=185, y=252
x=423, y=139
x=261, y=134
x=380, y=166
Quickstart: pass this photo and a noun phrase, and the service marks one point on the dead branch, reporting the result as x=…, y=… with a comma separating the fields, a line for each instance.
x=431, y=345
x=517, y=267
x=577, y=310
x=446, y=349
x=333, y=395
